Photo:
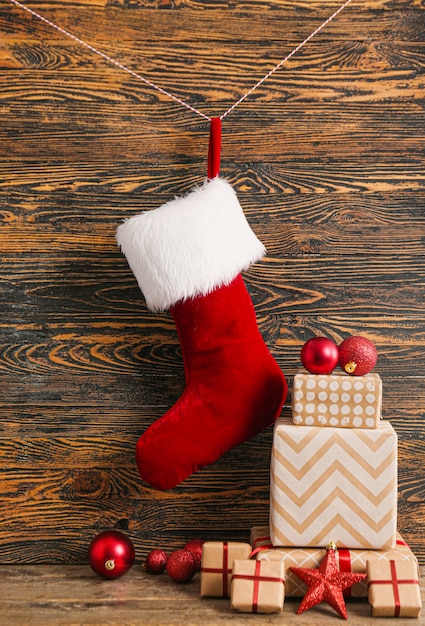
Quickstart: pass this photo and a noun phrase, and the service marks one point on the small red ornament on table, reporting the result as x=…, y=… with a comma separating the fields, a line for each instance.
x=195, y=547
x=326, y=584
x=181, y=566
x=111, y=554
x=156, y=561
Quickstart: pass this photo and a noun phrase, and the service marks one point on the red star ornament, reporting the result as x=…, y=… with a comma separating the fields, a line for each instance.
x=326, y=584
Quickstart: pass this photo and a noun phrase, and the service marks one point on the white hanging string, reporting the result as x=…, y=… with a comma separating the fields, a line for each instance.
x=164, y=91
x=110, y=59
x=291, y=54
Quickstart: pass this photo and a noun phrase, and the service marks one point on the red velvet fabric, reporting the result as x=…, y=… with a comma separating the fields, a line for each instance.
x=214, y=148
x=234, y=388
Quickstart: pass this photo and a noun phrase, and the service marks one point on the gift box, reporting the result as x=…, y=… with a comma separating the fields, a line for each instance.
x=333, y=484
x=394, y=588
x=260, y=540
x=354, y=561
x=337, y=400
x=217, y=564
x=257, y=587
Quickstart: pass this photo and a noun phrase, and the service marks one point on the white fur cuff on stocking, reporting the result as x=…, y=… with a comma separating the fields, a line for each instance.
x=190, y=245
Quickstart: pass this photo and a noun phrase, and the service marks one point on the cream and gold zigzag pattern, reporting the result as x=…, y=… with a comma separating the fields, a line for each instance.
x=333, y=485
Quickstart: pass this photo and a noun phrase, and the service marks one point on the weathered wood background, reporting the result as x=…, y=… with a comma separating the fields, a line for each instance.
x=328, y=160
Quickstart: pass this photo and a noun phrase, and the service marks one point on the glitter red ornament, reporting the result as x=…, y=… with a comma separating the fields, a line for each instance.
x=326, y=584
x=357, y=355
x=181, y=566
x=156, y=561
x=319, y=355
x=111, y=554
x=195, y=547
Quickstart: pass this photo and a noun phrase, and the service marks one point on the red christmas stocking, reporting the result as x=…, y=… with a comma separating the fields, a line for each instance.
x=187, y=256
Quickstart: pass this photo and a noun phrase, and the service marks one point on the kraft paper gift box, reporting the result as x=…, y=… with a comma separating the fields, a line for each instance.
x=257, y=586
x=217, y=564
x=260, y=539
x=394, y=588
x=333, y=484
x=348, y=561
x=337, y=400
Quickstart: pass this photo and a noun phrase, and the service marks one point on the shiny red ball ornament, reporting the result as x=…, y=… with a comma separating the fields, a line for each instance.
x=111, y=554
x=357, y=355
x=181, y=566
x=195, y=547
x=156, y=561
x=320, y=355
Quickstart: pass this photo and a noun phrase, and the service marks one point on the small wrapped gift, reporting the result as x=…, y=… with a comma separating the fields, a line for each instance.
x=352, y=561
x=337, y=400
x=260, y=539
x=217, y=564
x=394, y=588
x=333, y=484
x=257, y=587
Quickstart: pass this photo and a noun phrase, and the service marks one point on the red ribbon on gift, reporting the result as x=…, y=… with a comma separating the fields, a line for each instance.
x=345, y=562
x=265, y=538
x=257, y=578
x=225, y=571
x=345, y=566
x=395, y=582
x=267, y=546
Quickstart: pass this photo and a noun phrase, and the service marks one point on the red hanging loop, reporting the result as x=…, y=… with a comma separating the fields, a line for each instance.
x=214, y=148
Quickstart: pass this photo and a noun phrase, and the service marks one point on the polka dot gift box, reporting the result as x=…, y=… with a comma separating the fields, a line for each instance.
x=337, y=400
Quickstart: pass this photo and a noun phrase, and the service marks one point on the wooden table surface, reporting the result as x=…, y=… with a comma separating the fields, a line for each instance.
x=46, y=595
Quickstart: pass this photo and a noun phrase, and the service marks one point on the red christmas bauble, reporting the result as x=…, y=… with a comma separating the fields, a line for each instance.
x=357, y=355
x=181, y=566
x=319, y=355
x=111, y=554
x=156, y=561
x=195, y=547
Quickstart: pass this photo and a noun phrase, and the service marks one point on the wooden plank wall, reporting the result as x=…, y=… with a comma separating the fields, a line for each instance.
x=328, y=162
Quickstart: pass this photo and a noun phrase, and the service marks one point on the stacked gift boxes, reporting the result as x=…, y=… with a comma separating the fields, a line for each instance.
x=229, y=570
x=333, y=479
x=331, y=482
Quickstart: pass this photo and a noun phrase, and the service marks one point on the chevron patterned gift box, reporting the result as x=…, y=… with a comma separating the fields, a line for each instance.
x=333, y=484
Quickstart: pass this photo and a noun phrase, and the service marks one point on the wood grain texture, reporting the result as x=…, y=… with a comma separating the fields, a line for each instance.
x=328, y=161
x=51, y=595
